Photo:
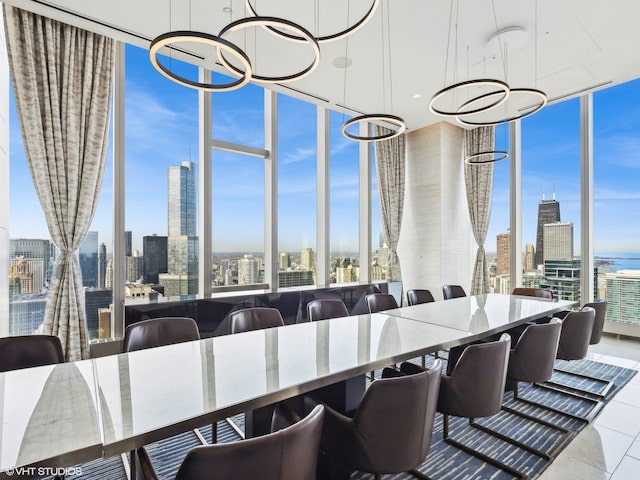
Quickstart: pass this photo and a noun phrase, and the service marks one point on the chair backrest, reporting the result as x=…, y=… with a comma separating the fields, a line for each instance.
x=288, y=454
x=29, y=351
x=453, y=291
x=576, y=334
x=380, y=301
x=476, y=384
x=533, y=357
x=255, y=318
x=157, y=332
x=394, y=421
x=417, y=296
x=598, y=323
x=324, y=308
x=534, y=292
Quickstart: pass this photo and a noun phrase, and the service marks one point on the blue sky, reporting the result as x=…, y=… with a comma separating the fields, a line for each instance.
x=161, y=129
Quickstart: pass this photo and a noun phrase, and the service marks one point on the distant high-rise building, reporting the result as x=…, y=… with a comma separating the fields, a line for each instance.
x=284, y=260
x=154, y=254
x=27, y=314
x=558, y=241
x=135, y=267
x=503, y=261
x=89, y=260
x=102, y=265
x=108, y=276
x=95, y=299
x=307, y=259
x=563, y=278
x=35, y=251
x=294, y=278
x=623, y=296
x=529, y=257
x=127, y=243
x=182, y=242
x=548, y=212
x=248, y=270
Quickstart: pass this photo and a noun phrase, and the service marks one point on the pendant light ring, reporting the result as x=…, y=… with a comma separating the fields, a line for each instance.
x=542, y=97
x=169, y=38
x=377, y=117
x=477, y=158
x=278, y=23
x=502, y=93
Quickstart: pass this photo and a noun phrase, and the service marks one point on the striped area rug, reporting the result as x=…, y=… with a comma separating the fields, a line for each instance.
x=444, y=462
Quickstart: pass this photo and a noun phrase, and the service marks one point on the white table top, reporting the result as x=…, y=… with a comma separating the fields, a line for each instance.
x=51, y=415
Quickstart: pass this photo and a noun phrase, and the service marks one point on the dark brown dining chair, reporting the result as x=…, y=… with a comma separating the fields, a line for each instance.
x=287, y=454
x=417, y=296
x=543, y=293
x=575, y=339
x=157, y=332
x=390, y=431
x=474, y=389
x=255, y=318
x=453, y=291
x=377, y=302
x=532, y=360
x=29, y=351
x=326, y=308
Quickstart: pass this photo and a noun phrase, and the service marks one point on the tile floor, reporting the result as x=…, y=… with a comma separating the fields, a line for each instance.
x=609, y=448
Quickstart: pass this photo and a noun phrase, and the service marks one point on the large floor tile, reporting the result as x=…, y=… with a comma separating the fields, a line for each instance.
x=634, y=451
x=629, y=469
x=620, y=417
x=630, y=394
x=600, y=447
x=620, y=362
x=567, y=468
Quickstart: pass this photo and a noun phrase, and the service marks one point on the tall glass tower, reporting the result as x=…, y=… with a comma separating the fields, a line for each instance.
x=548, y=212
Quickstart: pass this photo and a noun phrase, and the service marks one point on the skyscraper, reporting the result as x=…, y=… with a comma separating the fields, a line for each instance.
x=284, y=260
x=182, y=242
x=89, y=260
x=548, y=212
x=306, y=259
x=529, y=257
x=154, y=254
x=503, y=241
x=623, y=296
x=35, y=251
x=127, y=243
x=102, y=265
x=135, y=266
x=558, y=241
x=248, y=270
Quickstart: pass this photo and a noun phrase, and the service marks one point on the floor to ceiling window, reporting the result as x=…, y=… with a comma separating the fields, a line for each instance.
x=551, y=198
x=616, y=172
x=344, y=204
x=297, y=166
x=161, y=172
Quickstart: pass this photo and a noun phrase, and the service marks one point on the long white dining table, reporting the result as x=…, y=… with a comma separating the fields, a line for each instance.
x=65, y=414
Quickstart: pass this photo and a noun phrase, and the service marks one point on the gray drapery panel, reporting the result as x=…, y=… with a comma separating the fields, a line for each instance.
x=479, y=185
x=390, y=167
x=62, y=85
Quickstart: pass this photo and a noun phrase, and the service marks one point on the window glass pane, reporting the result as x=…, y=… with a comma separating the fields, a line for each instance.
x=296, y=192
x=344, y=204
x=32, y=253
x=379, y=248
x=551, y=197
x=238, y=218
x=497, y=243
x=161, y=174
x=237, y=115
x=616, y=172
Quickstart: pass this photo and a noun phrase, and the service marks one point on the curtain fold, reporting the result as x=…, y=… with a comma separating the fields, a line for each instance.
x=390, y=168
x=479, y=186
x=62, y=86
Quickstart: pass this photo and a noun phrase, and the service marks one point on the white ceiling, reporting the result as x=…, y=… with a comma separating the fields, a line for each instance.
x=570, y=46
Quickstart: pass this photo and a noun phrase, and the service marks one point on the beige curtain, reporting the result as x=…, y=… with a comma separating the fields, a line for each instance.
x=62, y=85
x=390, y=166
x=479, y=186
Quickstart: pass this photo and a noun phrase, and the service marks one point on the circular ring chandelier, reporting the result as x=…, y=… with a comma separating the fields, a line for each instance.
x=527, y=111
x=272, y=22
x=169, y=38
x=503, y=93
x=477, y=158
x=322, y=38
x=399, y=122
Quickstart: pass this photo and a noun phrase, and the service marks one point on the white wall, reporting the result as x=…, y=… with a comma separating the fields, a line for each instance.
x=4, y=185
x=435, y=241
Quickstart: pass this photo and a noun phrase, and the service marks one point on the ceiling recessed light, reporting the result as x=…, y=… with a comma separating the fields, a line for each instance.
x=226, y=9
x=416, y=95
x=342, y=62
